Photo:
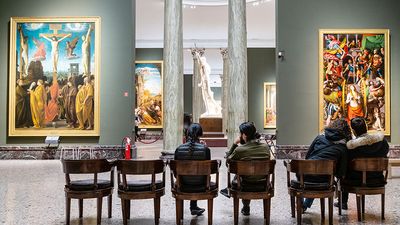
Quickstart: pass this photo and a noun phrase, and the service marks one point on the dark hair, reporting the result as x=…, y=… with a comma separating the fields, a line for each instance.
x=342, y=126
x=359, y=126
x=195, y=132
x=249, y=130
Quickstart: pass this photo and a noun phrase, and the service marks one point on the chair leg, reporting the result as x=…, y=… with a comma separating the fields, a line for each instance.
x=99, y=205
x=390, y=171
x=322, y=210
x=67, y=210
x=363, y=204
x=210, y=210
x=358, y=199
x=330, y=202
x=109, y=206
x=128, y=208
x=178, y=204
x=123, y=206
x=267, y=210
x=299, y=204
x=157, y=210
x=80, y=208
x=292, y=206
x=383, y=206
x=235, y=211
x=340, y=202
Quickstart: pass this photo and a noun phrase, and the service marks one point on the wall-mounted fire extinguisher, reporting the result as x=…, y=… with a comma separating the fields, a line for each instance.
x=127, y=142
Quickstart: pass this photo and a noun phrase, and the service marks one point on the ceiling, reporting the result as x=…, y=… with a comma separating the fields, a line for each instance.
x=206, y=24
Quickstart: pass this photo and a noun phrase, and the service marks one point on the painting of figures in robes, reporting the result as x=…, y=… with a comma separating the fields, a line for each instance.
x=269, y=105
x=148, y=75
x=54, y=76
x=354, y=76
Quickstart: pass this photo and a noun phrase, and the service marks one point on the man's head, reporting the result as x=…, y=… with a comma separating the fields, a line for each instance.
x=195, y=132
x=358, y=126
x=342, y=127
x=40, y=82
x=248, y=132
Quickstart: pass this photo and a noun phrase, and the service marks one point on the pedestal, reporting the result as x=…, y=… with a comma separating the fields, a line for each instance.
x=212, y=132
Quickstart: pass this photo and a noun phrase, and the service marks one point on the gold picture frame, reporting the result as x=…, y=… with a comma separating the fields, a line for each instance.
x=149, y=93
x=354, y=76
x=51, y=60
x=269, y=105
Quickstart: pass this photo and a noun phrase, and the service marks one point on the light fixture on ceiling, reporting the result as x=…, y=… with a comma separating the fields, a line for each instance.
x=191, y=4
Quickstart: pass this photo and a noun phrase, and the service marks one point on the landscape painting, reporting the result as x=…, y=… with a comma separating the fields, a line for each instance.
x=149, y=107
x=354, y=77
x=54, y=76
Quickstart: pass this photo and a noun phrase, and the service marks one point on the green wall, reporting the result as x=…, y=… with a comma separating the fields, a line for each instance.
x=117, y=35
x=261, y=68
x=297, y=35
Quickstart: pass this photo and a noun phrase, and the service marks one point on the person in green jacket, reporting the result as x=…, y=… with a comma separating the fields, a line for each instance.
x=247, y=147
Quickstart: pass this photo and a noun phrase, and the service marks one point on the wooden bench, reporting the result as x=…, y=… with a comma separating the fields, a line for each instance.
x=392, y=163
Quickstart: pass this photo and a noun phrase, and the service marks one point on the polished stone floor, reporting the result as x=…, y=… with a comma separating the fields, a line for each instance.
x=31, y=192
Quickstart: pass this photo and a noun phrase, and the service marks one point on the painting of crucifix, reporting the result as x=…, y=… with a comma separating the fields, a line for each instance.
x=54, y=76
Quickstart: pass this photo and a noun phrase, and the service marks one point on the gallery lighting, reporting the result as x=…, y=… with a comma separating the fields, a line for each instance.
x=192, y=4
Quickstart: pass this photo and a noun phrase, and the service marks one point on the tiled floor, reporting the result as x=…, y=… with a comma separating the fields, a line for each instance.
x=31, y=192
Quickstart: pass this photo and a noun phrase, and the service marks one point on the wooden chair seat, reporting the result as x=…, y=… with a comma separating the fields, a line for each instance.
x=208, y=191
x=241, y=188
x=88, y=188
x=129, y=189
x=298, y=190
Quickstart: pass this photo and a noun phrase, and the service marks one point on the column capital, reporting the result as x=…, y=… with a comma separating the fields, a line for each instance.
x=200, y=51
x=224, y=52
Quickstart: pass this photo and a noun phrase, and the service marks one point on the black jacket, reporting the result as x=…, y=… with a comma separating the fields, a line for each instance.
x=330, y=145
x=192, y=151
x=367, y=146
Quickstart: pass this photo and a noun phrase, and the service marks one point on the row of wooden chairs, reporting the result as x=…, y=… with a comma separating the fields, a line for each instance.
x=299, y=188
x=154, y=187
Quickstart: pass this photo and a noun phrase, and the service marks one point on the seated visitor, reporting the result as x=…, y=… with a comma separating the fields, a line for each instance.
x=193, y=150
x=249, y=149
x=364, y=146
x=331, y=145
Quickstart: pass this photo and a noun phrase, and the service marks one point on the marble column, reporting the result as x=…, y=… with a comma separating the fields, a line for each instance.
x=237, y=59
x=197, y=98
x=173, y=76
x=225, y=89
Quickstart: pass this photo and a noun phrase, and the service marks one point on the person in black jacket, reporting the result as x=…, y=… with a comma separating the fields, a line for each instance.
x=329, y=145
x=193, y=150
x=364, y=146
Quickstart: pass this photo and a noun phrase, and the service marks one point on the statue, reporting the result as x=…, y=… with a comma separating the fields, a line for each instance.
x=86, y=52
x=213, y=109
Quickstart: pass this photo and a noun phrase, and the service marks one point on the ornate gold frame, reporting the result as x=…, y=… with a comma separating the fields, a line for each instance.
x=265, y=104
x=12, y=131
x=386, y=63
x=162, y=93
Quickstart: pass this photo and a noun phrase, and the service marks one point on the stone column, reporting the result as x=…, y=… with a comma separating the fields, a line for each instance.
x=173, y=76
x=225, y=89
x=237, y=58
x=197, y=98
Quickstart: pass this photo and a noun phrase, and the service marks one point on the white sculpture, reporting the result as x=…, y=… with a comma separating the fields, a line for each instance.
x=213, y=109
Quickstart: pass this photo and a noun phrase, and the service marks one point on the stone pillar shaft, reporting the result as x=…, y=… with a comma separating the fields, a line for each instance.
x=173, y=76
x=197, y=98
x=225, y=89
x=237, y=58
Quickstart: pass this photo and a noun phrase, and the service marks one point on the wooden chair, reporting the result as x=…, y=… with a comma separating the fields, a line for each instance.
x=264, y=191
x=300, y=189
x=88, y=188
x=129, y=189
x=205, y=168
x=365, y=165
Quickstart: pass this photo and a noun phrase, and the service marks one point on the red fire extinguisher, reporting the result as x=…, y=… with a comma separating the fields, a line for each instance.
x=127, y=141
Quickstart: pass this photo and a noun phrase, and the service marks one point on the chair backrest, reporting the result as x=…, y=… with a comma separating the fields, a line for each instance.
x=365, y=165
x=252, y=167
x=140, y=167
x=86, y=166
x=194, y=167
x=312, y=167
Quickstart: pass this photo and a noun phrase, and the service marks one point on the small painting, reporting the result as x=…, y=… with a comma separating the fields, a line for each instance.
x=149, y=105
x=269, y=105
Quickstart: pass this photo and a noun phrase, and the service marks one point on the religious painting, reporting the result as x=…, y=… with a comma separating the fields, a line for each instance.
x=149, y=105
x=54, y=76
x=354, y=77
x=269, y=105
